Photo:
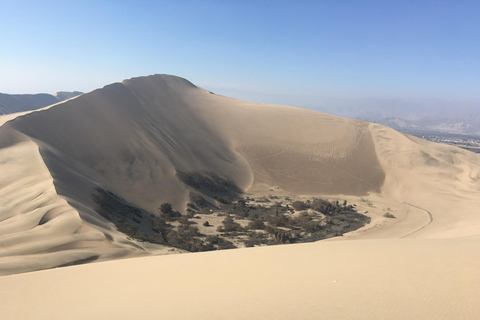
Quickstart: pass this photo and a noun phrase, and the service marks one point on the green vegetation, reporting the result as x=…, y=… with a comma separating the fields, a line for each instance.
x=389, y=215
x=198, y=200
x=158, y=230
x=299, y=205
x=256, y=224
x=266, y=221
x=229, y=225
x=287, y=222
x=165, y=208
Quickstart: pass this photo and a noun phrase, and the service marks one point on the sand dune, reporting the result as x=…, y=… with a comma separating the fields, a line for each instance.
x=133, y=137
x=39, y=229
x=363, y=279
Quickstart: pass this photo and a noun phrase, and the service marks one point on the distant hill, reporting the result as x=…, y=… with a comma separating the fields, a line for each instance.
x=12, y=103
x=441, y=115
x=409, y=114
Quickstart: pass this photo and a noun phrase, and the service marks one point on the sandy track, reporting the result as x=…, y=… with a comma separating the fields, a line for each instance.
x=429, y=222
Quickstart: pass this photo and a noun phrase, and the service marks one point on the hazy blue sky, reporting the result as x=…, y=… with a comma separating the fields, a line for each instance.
x=295, y=48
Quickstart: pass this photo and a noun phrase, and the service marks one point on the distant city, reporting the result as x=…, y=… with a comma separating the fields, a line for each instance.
x=450, y=122
x=471, y=143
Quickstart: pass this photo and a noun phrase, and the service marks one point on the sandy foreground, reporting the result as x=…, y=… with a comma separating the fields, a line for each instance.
x=132, y=137
x=364, y=279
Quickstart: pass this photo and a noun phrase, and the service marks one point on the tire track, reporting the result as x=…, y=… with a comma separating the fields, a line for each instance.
x=429, y=215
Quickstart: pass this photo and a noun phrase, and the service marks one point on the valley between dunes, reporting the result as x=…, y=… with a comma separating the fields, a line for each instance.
x=133, y=137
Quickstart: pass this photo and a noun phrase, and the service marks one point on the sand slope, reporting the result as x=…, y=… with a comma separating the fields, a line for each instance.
x=369, y=279
x=441, y=180
x=38, y=228
x=132, y=137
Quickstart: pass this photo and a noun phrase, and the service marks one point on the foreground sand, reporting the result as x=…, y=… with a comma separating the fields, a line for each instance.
x=364, y=279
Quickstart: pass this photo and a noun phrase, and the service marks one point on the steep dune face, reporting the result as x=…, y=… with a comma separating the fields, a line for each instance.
x=300, y=151
x=132, y=141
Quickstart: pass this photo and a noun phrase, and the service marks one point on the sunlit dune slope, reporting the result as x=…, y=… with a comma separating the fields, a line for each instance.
x=364, y=279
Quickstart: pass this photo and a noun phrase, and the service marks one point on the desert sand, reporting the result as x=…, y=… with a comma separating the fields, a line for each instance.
x=363, y=279
x=132, y=137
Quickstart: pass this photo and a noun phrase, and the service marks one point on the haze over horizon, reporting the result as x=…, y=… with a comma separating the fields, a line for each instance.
x=276, y=52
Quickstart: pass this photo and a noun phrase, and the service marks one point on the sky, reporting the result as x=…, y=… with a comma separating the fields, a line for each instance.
x=286, y=52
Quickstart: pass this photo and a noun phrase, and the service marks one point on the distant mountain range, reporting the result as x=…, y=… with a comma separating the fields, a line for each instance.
x=409, y=114
x=403, y=114
x=12, y=103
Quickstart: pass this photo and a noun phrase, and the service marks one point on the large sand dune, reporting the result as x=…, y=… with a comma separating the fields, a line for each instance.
x=133, y=137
